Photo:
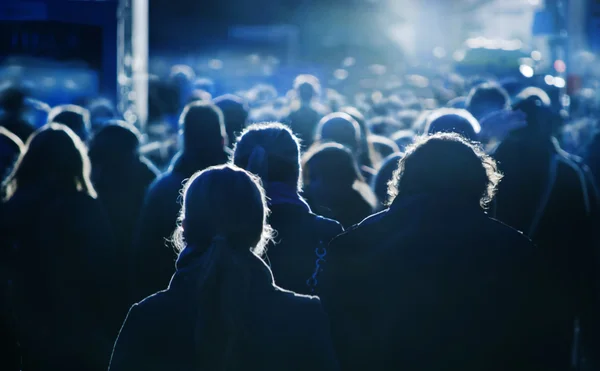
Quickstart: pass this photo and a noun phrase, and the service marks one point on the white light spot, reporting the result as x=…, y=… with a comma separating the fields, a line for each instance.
x=526, y=70
x=349, y=62
x=536, y=55
x=549, y=79
x=215, y=64
x=559, y=82
x=340, y=74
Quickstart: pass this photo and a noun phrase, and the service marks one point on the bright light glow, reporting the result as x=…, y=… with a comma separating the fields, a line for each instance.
x=439, y=52
x=349, y=62
x=459, y=55
x=536, y=55
x=534, y=2
x=526, y=70
x=377, y=69
x=559, y=82
x=215, y=64
x=340, y=74
x=482, y=42
x=560, y=66
x=549, y=79
x=70, y=84
x=140, y=59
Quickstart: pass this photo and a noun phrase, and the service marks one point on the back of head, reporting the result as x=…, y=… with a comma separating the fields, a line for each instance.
x=330, y=165
x=341, y=128
x=487, y=98
x=74, y=117
x=115, y=144
x=447, y=120
x=55, y=160
x=446, y=165
x=535, y=104
x=271, y=151
x=11, y=148
x=235, y=113
x=403, y=138
x=203, y=127
x=12, y=99
x=383, y=145
x=307, y=87
x=384, y=175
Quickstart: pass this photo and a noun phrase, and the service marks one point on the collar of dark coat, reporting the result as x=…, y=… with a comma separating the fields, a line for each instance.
x=431, y=206
x=193, y=259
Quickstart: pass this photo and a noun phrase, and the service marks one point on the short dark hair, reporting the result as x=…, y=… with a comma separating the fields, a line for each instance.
x=202, y=126
x=74, y=117
x=446, y=164
x=486, y=95
x=448, y=120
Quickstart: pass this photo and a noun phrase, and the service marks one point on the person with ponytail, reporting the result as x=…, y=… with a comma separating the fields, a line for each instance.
x=272, y=151
x=222, y=310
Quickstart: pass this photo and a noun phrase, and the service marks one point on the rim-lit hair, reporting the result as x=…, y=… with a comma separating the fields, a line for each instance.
x=453, y=120
x=54, y=157
x=448, y=165
x=271, y=151
x=224, y=201
x=74, y=117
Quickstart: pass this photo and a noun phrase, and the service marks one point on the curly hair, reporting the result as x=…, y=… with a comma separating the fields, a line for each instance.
x=446, y=164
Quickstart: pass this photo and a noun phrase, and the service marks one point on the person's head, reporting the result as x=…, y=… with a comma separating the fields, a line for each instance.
x=11, y=148
x=446, y=165
x=487, y=98
x=307, y=87
x=330, y=165
x=101, y=111
x=12, y=99
x=448, y=120
x=235, y=113
x=535, y=104
x=403, y=138
x=458, y=103
x=55, y=159
x=202, y=128
x=341, y=128
x=115, y=145
x=74, y=117
x=368, y=156
x=271, y=151
x=226, y=202
x=384, y=146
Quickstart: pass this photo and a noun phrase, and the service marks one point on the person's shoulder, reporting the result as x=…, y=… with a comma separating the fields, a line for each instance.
x=293, y=302
x=364, y=227
x=507, y=233
x=327, y=226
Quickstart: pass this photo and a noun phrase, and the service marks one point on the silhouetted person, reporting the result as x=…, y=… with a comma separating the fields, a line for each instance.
x=446, y=120
x=379, y=184
x=333, y=185
x=204, y=144
x=235, y=114
x=222, y=310
x=273, y=152
x=546, y=195
x=63, y=254
x=121, y=178
x=487, y=98
x=368, y=155
x=383, y=145
x=432, y=282
x=12, y=103
x=74, y=117
x=304, y=119
x=592, y=157
x=339, y=128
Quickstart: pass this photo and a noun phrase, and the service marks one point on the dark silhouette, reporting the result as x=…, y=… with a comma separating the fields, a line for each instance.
x=379, y=184
x=548, y=195
x=62, y=252
x=432, y=282
x=383, y=145
x=121, y=178
x=235, y=114
x=368, y=155
x=272, y=152
x=304, y=119
x=204, y=145
x=12, y=102
x=458, y=121
x=74, y=117
x=222, y=310
x=339, y=128
x=334, y=186
x=403, y=138
x=487, y=98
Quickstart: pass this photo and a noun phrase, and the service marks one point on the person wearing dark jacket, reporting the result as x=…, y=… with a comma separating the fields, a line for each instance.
x=304, y=119
x=334, y=186
x=434, y=283
x=272, y=151
x=121, y=178
x=204, y=145
x=550, y=197
x=235, y=114
x=62, y=254
x=222, y=310
x=13, y=103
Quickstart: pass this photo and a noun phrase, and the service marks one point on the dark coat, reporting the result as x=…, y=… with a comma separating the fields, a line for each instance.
x=63, y=255
x=287, y=331
x=432, y=284
x=303, y=122
x=292, y=257
x=348, y=206
x=550, y=196
x=17, y=126
x=153, y=258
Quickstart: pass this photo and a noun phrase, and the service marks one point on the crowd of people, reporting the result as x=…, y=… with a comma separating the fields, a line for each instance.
x=312, y=231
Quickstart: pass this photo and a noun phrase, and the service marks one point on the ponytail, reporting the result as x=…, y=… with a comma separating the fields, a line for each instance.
x=223, y=293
